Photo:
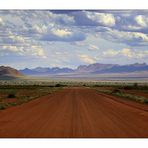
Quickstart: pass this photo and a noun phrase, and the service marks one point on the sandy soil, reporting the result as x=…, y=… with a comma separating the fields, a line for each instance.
x=138, y=93
x=74, y=112
x=8, y=100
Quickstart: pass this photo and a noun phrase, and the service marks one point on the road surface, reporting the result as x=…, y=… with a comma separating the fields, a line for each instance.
x=74, y=113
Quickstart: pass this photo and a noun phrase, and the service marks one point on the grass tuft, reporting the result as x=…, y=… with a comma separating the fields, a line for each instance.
x=11, y=95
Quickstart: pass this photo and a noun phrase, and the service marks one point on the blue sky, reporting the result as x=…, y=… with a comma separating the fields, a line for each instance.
x=72, y=38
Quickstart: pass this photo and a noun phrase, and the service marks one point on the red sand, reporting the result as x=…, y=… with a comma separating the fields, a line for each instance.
x=74, y=112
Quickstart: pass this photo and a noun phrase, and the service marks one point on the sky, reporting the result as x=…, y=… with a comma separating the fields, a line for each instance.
x=60, y=38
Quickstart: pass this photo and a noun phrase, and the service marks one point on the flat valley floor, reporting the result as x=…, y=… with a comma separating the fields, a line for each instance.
x=75, y=113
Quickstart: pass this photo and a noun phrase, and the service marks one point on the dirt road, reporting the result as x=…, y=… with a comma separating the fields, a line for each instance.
x=74, y=112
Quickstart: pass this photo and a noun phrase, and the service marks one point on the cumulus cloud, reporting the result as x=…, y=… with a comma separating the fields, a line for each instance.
x=17, y=38
x=31, y=33
x=23, y=51
x=93, y=18
x=10, y=38
x=38, y=51
x=101, y=18
x=129, y=38
x=61, y=18
x=125, y=52
x=39, y=28
x=142, y=20
x=63, y=35
x=61, y=32
x=87, y=59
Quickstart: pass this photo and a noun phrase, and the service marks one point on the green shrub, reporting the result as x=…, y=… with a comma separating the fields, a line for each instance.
x=115, y=91
x=96, y=85
x=145, y=101
x=59, y=85
x=135, y=85
x=2, y=106
x=127, y=87
x=11, y=95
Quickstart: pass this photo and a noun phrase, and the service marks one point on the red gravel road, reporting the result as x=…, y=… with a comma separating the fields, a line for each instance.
x=73, y=113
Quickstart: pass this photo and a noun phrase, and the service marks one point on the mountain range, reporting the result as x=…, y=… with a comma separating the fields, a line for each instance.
x=96, y=68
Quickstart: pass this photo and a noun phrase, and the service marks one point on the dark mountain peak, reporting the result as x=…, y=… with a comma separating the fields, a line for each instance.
x=93, y=67
x=9, y=71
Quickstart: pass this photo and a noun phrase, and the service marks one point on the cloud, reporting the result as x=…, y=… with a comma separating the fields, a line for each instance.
x=22, y=51
x=125, y=52
x=142, y=20
x=1, y=21
x=35, y=33
x=93, y=47
x=110, y=53
x=101, y=18
x=63, y=35
x=17, y=39
x=129, y=38
x=38, y=51
x=93, y=18
x=87, y=59
x=10, y=38
x=39, y=28
x=63, y=19
x=61, y=32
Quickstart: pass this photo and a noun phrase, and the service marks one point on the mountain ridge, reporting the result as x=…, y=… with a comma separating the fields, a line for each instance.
x=96, y=68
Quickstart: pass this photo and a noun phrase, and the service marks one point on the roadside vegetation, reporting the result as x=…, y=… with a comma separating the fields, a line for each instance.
x=16, y=95
x=120, y=91
x=15, y=92
x=130, y=96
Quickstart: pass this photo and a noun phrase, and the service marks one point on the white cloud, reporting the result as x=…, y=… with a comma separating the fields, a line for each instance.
x=61, y=32
x=142, y=20
x=23, y=51
x=29, y=33
x=61, y=18
x=1, y=21
x=130, y=38
x=101, y=18
x=87, y=59
x=64, y=35
x=125, y=52
x=110, y=53
x=38, y=51
x=39, y=28
x=17, y=38
x=13, y=49
x=93, y=47
x=131, y=27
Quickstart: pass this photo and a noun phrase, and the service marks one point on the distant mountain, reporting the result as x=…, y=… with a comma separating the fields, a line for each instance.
x=9, y=72
x=124, y=68
x=96, y=68
x=46, y=71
